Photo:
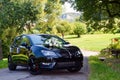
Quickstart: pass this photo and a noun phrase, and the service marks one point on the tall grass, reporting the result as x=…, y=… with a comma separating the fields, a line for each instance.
x=102, y=71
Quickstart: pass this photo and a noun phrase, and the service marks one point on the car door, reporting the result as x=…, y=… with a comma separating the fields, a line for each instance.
x=20, y=50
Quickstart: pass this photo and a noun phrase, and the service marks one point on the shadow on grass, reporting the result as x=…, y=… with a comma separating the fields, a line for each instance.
x=73, y=37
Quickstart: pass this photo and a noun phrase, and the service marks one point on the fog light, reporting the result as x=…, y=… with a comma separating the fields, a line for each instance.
x=45, y=63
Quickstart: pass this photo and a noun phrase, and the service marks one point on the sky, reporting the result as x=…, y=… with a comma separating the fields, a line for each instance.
x=67, y=8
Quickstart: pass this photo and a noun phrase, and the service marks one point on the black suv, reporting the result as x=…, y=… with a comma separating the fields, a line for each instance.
x=41, y=52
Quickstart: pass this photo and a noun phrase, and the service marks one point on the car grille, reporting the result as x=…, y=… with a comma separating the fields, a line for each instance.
x=65, y=64
x=72, y=51
x=64, y=53
x=68, y=53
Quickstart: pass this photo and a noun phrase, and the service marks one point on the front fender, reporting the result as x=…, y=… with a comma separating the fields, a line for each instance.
x=36, y=50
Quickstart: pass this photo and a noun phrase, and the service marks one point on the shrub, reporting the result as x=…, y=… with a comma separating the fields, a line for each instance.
x=79, y=29
x=112, y=49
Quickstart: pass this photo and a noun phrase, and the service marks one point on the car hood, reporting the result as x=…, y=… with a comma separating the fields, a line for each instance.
x=66, y=51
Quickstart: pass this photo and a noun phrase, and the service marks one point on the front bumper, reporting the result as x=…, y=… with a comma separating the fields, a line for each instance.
x=60, y=63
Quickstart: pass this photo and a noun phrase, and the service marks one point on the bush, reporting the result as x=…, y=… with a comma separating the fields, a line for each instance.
x=79, y=29
x=105, y=52
x=7, y=38
x=63, y=27
x=112, y=49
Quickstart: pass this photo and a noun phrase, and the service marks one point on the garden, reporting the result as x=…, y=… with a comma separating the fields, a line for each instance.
x=109, y=69
x=96, y=29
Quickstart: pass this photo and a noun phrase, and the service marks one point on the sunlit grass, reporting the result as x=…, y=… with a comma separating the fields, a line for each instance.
x=101, y=70
x=93, y=42
x=3, y=63
x=107, y=70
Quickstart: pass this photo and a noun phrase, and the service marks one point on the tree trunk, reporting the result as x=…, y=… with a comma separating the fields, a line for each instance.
x=63, y=35
x=78, y=35
x=1, y=56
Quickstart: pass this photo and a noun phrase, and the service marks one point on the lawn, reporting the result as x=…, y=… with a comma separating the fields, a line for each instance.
x=3, y=63
x=107, y=70
x=93, y=42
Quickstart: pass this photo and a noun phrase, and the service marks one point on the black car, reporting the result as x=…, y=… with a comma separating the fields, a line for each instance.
x=41, y=52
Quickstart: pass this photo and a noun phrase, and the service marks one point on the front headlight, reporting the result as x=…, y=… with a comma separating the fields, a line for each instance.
x=48, y=53
x=79, y=52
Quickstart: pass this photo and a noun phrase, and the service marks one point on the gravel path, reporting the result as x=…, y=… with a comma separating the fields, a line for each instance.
x=23, y=74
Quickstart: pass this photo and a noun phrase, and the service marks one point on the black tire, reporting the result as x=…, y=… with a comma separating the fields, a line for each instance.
x=11, y=65
x=77, y=68
x=33, y=67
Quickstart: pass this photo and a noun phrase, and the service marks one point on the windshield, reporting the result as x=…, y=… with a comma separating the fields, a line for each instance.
x=36, y=39
x=44, y=39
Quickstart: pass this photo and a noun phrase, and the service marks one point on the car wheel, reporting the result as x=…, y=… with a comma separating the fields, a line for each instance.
x=77, y=68
x=11, y=65
x=33, y=67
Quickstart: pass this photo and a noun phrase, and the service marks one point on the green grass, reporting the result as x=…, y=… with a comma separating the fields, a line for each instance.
x=3, y=63
x=107, y=70
x=102, y=70
x=93, y=42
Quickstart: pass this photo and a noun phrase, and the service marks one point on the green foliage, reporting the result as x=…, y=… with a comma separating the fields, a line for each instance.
x=18, y=16
x=7, y=37
x=50, y=11
x=112, y=48
x=15, y=14
x=79, y=29
x=106, y=52
x=1, y=55
x=99, y=14
x=63, y=27
x=13, y=17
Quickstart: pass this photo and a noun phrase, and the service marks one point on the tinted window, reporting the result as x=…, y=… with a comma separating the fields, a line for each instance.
x=36, y=40
x=47, y=37
x=25, y=40
x=17, y=41
x=21, y=39
x=41, y=39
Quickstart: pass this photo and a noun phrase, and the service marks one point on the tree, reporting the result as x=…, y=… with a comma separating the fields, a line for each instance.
x=13, y=17
x=1, y=55
x=15, y=14
x=63, y=27
x=50, y=11
x=79, y=29
x=99, y=13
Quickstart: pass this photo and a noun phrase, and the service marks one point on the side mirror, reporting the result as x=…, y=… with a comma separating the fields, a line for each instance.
x=24, y=44
x=11, y=49
x=18, y=50
x=67, y=42
x=47, y=45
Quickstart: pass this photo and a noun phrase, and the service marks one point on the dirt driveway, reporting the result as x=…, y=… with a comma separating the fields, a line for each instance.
x=22, y=73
